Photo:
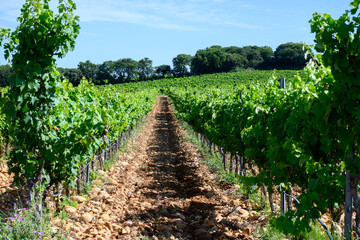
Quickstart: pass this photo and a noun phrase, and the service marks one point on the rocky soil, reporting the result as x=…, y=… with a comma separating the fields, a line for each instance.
x=9, y=193
x=160, y=189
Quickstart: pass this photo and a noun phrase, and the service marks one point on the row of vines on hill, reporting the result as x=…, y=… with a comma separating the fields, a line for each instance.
x=222, y=81
x=306, y=135
x=53, y=127
x=279, y=131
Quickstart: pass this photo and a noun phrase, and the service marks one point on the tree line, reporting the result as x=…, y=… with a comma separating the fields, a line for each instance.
x=214, y=59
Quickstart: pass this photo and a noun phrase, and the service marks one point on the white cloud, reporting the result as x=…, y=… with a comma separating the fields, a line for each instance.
x=187, y=15
x=172, y=14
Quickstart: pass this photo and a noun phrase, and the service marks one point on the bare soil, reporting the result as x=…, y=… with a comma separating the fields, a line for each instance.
x=9, y=193
x=160, y=189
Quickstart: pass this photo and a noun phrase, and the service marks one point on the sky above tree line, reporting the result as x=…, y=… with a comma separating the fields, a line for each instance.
x=160, y=30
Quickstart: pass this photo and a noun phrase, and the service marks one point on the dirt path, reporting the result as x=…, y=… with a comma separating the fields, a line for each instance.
x=160, y=189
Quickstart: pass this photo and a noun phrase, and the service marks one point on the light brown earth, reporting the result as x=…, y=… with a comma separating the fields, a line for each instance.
x=9, y=193
x=160, y=189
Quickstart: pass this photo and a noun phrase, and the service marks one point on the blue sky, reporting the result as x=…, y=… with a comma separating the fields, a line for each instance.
x=160, y=30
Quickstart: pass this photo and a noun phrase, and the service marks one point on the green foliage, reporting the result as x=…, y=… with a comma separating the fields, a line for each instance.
x=210, y=60
x=65, y=201
x=290, y=56
x=217, y=59
x=145, y=68
x=104, y=73
x=163, y=70
x=181, y=64
x=88, y=69
x=55, y=128
x=35, y=88
x=125, y=69
x=270, y=233
x=25, y=224
x=339, y=41
x=74, y=75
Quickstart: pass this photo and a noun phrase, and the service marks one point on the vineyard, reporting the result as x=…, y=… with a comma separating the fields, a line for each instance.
x=284, y=133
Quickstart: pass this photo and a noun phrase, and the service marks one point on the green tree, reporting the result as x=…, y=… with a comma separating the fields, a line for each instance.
x=120, y=70
x=267, y=55
x=163, y=70
x=182, y=64
x=250, y=57
x=235, y=58
x=88, y=69
x=74, y=75
x=130, y=68
x=253, y=56
x=145, y=68
x=125, y=69
x=210, y=60
x=290, y=56
x=105, y=73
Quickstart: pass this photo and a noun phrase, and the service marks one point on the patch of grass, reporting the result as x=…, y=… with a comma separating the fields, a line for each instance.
x=269, y=233
x=317, y=232
x=87, y=188
x=68, y=202
x=212, y=160
x=255, y=198
x=64, y=216
x=92, y=175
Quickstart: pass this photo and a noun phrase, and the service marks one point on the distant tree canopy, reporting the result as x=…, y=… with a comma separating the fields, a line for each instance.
x=87, y=69
x=104, y=73
x=73, y=74
x=290, y=56
x=163, y=70
x=145, y=68
x=128, y=69
x=218, y=59
x=182, y=64
x=122, y=70
x=209, y=60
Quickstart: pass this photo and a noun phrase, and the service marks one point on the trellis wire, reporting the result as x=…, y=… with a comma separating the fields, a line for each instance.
x=54, y=195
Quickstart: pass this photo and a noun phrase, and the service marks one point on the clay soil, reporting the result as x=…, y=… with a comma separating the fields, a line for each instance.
x=160, y=189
